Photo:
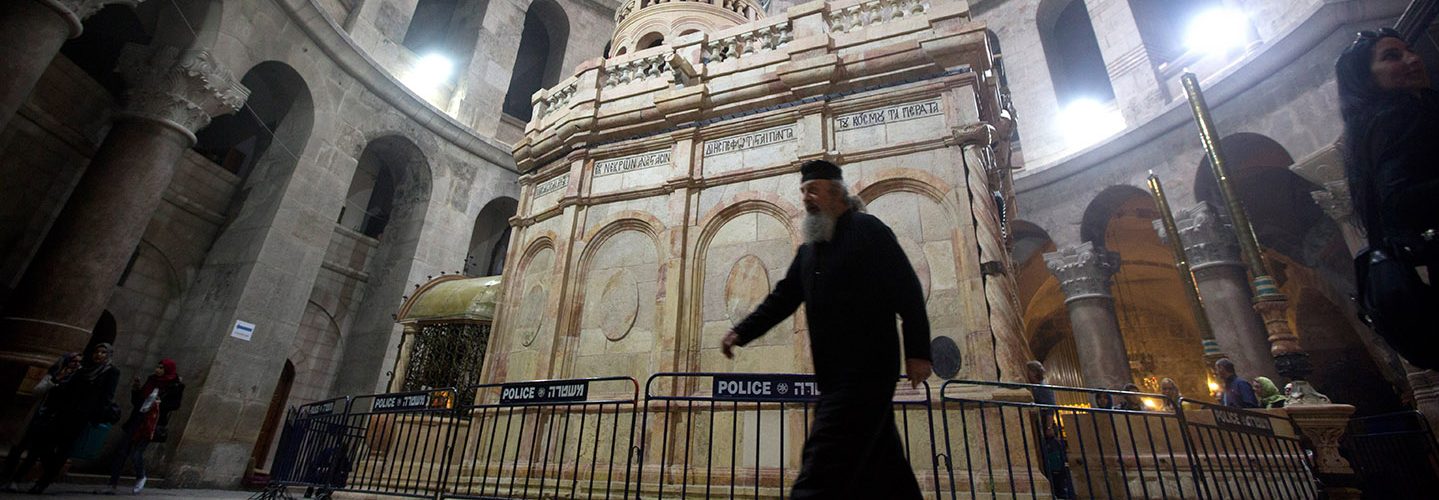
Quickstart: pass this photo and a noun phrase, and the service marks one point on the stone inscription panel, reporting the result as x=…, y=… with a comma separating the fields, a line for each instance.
x=631, y=163
x=750, y=150
x=890, y=125
x=547, y=192
x=892, y=114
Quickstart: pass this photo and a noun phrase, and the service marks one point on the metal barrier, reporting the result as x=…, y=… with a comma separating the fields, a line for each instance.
x=1394, y=454
x=740, y=435
x=1246, y=453
x=547, y=439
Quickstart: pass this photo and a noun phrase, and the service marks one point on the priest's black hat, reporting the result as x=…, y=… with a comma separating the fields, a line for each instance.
x=819, y=169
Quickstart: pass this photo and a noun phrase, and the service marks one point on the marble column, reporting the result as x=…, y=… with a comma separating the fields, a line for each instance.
x=1085, y=273
x=171, y=94
x=31, y=33
x=1224, y=286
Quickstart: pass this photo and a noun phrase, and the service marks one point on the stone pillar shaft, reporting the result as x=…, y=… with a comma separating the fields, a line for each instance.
x=64, y=291
x=1084, y=274
x=1224, y=286
x=31, y=33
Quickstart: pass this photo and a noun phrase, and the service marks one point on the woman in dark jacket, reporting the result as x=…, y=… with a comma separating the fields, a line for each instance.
x=1391, y=139
x=149, y=418
x=83, y=400
x=40, y=424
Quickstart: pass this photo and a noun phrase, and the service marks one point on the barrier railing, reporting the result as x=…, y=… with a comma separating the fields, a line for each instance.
x=547, y=439
x=741, y=435
x=1394, y=454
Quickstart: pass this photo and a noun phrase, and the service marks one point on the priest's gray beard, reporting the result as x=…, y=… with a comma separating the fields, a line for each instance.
x=818, y=227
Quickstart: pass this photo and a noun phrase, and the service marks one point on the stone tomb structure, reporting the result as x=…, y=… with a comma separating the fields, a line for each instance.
x=660, y=202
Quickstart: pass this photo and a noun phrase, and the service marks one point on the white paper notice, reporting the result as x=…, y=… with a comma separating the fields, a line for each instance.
x=243, y=330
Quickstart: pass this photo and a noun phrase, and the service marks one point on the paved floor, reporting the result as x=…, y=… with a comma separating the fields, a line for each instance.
x=88, y=492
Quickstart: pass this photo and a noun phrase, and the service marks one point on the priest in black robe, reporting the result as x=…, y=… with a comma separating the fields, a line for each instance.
x=854, y=280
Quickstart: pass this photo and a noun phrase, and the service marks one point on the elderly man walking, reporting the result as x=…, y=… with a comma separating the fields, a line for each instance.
x=854, y=280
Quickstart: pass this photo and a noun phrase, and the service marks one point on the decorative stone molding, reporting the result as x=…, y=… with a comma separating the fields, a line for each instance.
x=873, y=13
x=1324, y=425
x=76, y=11
x=1084, y=271
x=1208, y=239
x=738, y=45
x=180, y=88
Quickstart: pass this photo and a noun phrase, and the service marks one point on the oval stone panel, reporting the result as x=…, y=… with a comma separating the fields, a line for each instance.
x=946, y=356
x=746, y=287
x=532, y=310
x=620, y=303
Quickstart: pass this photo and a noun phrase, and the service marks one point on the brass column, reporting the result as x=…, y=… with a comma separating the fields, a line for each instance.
x=1289, y=358
x=1181, y=263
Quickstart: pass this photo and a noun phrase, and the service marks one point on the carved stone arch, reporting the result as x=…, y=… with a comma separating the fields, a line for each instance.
x=746, y=202
x=613, y=295
x=910, y=181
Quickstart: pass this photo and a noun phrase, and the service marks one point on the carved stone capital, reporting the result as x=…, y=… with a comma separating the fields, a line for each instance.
x=180, y=88
x=1335, y=201
x=76, y=11
x=1084, y=271
x=1208, y=239
x=1324, y=425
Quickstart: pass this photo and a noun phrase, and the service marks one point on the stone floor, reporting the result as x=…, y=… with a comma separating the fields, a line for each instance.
x=86, y=491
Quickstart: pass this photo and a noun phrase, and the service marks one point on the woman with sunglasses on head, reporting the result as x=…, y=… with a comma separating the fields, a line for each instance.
x=1391, y=158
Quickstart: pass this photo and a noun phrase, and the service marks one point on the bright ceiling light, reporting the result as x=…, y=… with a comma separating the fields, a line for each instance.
x=429, y=73
x=1217, y=31
x=1086, y=121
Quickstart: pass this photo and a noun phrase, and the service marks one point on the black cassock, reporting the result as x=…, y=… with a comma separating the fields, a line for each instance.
x=853, y=287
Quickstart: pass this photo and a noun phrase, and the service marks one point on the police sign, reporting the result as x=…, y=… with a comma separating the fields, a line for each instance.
x=561, y=391
x=743, y=387
x=401, y=402
x=1242, y=421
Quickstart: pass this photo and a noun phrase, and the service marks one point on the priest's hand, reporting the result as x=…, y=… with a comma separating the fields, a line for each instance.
x=727, y=345
x=917, y=370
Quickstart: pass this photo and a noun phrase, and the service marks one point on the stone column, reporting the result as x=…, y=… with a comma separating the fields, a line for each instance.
x=172, y=93
x=1137, y=87
x=1224, y=286
x=1084, y=274
x=31, y=33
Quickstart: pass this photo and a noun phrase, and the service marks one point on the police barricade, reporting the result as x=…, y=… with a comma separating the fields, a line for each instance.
x=308, y=454
x=546, y=439
x=1394, y=454
x=397, y=444
x=999, y=442
x=740, y=435
x=1246, y=453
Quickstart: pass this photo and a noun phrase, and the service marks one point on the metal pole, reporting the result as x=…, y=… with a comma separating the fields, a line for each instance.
x=1181, y=263
x=1289, y=358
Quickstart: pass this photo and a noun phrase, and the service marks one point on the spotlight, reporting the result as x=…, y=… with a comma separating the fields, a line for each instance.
x=1086, y=121
x=1217, y=31
x=430, y=72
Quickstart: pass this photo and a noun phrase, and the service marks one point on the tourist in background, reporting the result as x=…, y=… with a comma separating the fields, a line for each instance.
x=1170, y=389
x=1130, y=402
x=40, y=423
x=151, y=405
x=1103, y=400
x=1051, y=445
x=1391, y=120
x=85, y=399
x=1235, y=392
x=1268, y=393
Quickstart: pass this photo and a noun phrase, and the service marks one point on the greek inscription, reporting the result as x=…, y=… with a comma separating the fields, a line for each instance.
x=559, y=182
x=631, y=163
x=892, y=114
x=751, y=140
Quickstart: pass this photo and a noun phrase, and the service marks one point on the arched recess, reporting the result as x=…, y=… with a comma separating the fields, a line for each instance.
x=541, y=55
x=1303, y=249
x=491, y=237
x=743, y=250
x=397, y=201
x=617, y=290
x=923, y=221
x=449, y=28
x=1076, y=65
x=237, y=141
x=529, y=310
x=316, y=354
x=1160, y=332
x=1163, y=24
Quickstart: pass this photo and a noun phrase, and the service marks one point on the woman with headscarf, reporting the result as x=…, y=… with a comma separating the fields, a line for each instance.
x=1391, y=160
x=85, y=399
x=152, y=404
x=1269, y=395
x=40, y=422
